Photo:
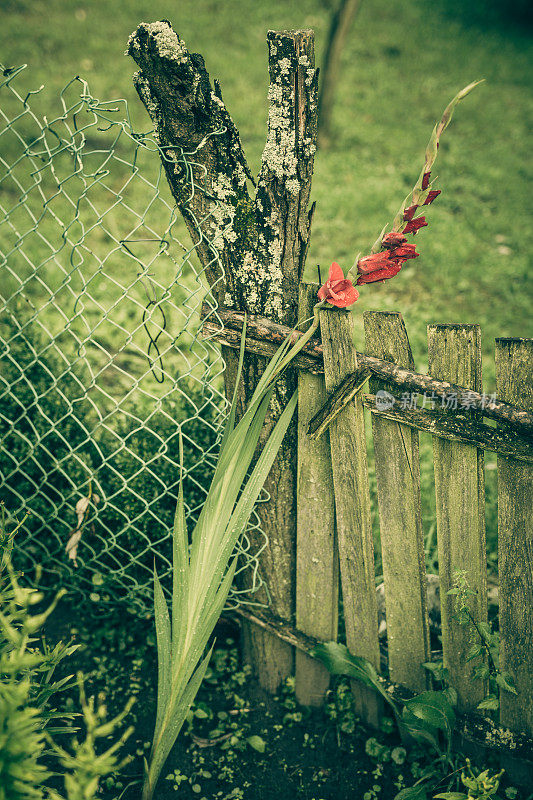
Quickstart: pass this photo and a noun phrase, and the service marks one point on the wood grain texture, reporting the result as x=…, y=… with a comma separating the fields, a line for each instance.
x=400, y=518
x=455, y=355
x=224, y=325
x=317, y=561
x=441, y=423
x=514, y=376
x=352, y=500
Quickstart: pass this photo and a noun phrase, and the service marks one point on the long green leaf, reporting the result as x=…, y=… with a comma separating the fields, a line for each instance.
x=179, y=712
x=180, y=567
x=162, y=628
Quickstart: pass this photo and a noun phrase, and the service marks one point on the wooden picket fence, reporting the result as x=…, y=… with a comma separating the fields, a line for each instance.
x=334, y=528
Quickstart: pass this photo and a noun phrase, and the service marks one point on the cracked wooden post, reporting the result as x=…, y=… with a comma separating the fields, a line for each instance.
x=514, y=380
x=317, y=560
x=252, y=248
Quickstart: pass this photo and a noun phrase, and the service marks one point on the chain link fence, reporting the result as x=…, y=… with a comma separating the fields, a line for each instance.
x=100, y=359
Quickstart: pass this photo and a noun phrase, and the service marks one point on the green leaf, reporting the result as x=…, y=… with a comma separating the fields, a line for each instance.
x=482, y=672
x=180, y=567
x=474, y=652
x=339, y=661
x=450, y=796
x=490, y=703
x=177, y=711
x=412, y=793
x=162, y=627
x=506, y=681
x=257, y=743
x=435, y=709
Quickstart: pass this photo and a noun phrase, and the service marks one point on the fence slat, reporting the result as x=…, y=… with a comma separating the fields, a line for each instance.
x=514, y=377
x=317, y=570
x=455, y=355
x=352, y=500
x=402, y=538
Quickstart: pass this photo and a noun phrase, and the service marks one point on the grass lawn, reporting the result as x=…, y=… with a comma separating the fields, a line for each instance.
x=403, y=62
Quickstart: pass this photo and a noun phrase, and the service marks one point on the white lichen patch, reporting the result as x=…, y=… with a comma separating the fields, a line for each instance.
x=169, y=45
x=303, y=60
x=284, y=66
x=292, y=186
x=222, y=212
x=239, y=173
x=217, y=101
x=279, y=155
x=260, y=276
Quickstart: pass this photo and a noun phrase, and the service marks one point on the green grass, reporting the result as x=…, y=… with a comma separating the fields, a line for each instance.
x=402, y=64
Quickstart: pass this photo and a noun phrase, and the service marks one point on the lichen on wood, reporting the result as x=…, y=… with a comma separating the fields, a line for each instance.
x=252, y=249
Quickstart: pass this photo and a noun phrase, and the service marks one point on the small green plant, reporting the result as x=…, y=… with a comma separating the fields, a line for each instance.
x=479, y=785
x=27, y=719
x=487, y=646
x=85, y=766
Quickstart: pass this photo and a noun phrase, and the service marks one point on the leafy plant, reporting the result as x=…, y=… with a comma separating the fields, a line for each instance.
x=202, y=576
x=428, y=719
x=488, y=645
x=85, y=766
x=27, y=719
x=480, y=786
x=53, y=445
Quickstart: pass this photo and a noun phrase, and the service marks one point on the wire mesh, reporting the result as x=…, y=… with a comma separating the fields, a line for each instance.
x=100, y=359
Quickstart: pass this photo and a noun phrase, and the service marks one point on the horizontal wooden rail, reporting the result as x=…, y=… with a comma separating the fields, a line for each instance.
x=263, y=337
x=457, y=429
x=473, y=727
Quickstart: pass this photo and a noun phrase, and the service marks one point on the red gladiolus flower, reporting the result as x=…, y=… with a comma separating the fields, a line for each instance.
x=404, y=252
x=376, y=261
x=380, y=274
x=338, y=290
x=431, y=196
x=414, y=225
x=425, y=180
x=409, y=213
x=393, y=240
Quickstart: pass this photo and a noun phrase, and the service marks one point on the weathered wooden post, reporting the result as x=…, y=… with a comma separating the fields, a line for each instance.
x=352, y=503
x=514, y=380
x=455, y=355
x=317, y=567
x=252, y=248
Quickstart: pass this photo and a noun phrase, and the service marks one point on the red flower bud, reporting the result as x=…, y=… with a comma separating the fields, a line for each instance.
x=425, y=180
x=380, y=274
x=376, y=261
x=338, y=290
x=415, y=224
x=432, y=194
x=410, y=212
x=404, y=252
x=393, y=239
